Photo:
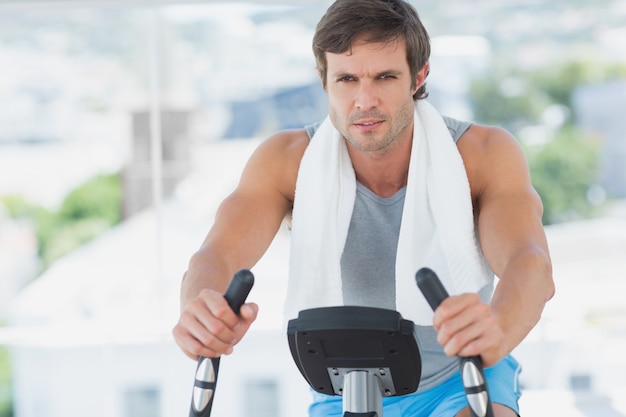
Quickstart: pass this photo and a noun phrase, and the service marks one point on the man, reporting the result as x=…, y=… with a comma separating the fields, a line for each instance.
x=378, y=159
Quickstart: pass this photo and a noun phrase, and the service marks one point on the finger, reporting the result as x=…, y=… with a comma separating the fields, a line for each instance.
x=218, y=306
x=247, y=316
x=201, y=332
x=467, y=341
x=466, y=313
x=479, y=335
x=215, y=329
x=213, y=312
x=190, y=345
x=209, y=332
x=488, y=344
x=453, y=306
x=249, y=312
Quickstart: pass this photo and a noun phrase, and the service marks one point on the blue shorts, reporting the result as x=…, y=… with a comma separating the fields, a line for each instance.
x=444, y=400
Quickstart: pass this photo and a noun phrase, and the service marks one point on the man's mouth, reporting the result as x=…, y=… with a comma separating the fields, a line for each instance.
x=369, y=123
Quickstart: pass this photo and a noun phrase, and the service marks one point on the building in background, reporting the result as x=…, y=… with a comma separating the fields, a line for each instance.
x=174, y=158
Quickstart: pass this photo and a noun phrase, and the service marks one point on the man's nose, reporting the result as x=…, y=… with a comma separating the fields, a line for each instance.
x=366, y=97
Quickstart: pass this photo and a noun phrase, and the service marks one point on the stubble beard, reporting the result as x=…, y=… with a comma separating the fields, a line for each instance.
x=375, y=141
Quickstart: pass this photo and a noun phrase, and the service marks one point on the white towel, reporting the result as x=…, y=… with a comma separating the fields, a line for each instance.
x=437, y=229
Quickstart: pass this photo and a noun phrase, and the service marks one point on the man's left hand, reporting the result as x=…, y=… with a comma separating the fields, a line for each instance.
x=467, y=326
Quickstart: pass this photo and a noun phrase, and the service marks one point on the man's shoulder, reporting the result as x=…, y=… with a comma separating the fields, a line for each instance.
x=489, y=152
x=483, y=136
x=285, y=147
x=289, y=139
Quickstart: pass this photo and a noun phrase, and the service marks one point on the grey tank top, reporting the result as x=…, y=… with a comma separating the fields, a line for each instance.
x=369, y=258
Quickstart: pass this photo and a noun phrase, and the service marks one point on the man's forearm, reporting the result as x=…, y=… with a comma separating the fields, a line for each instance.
x=204, y=271
x=520, y=296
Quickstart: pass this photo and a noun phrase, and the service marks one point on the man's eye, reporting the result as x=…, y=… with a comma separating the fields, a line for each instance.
x=345, y=79
x=387, y=77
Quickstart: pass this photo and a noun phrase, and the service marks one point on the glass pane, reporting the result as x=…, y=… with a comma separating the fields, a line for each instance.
x=142, y=402
x=262, y=398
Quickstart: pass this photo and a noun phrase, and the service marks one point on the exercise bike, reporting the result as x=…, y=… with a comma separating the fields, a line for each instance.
x=365, y=354
x=360, y=353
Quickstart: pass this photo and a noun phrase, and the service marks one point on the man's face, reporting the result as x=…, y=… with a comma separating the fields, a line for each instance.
x=370, y=95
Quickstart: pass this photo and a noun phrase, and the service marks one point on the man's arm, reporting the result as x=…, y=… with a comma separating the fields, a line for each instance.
x=244, y=227
x=508, y=213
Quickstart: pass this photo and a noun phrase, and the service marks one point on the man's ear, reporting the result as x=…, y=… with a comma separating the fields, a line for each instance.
x=420, y=79
x=319, y=74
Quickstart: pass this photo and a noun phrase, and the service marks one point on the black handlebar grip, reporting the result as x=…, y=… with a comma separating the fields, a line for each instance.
x=207, y=369
x=472, y=373
x=431, y=287
x=239, y=289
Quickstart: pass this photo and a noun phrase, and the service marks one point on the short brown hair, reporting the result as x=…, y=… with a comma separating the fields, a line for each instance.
x=376, y=21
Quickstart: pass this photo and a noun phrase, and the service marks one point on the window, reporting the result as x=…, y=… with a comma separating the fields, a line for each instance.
x=261, y=398
x=142, y=402
x=580, y=382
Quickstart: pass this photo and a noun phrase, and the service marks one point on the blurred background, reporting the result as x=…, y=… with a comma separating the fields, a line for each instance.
x=124, y=123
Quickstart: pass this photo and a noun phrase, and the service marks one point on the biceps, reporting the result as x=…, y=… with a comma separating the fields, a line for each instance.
x=244, y=227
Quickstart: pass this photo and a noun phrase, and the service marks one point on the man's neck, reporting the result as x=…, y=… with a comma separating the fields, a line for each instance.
x=383, y=173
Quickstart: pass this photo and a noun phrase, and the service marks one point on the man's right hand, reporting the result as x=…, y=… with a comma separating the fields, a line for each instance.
x=209, y=327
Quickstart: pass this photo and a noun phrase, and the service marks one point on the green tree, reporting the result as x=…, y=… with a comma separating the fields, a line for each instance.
x=558, y=81
x=98, y=198
x=515, y=98
x=86, y=212
x=566, y=166
x=563, y=171
x=20, y=208
x=6, y=404
x=507, y=100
